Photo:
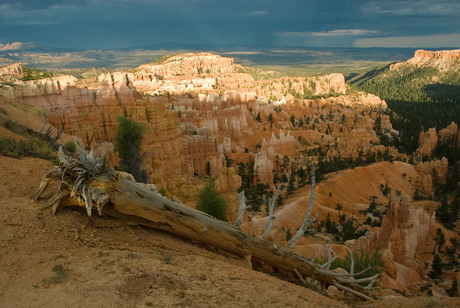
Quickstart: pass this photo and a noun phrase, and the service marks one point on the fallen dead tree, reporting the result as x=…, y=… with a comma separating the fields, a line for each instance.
x=88, y=181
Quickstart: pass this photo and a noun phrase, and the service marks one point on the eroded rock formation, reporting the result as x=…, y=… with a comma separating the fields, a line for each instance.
x=405, y=241
x=427, y=142
x=283, y=145
x=450, y=135
x=431, y=174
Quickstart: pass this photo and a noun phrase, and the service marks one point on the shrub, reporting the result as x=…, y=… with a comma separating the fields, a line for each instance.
x=258, y=118
x=59, y=274
x=210, y=202
x=34, y=73
x=128, y=145
x=453, y=291
x=162, y=192
x=436, y=267
x=32, y=147
x=70, y=146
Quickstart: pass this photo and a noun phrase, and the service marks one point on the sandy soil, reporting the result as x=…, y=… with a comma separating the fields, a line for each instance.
x=69, y=260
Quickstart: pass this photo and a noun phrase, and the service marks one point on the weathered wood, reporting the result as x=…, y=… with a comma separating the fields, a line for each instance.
x=347, y=289
x=241, y=208
x=88, y=180
x=299, y=276
x=271, y=217
x=49, y=176
x=306, y=221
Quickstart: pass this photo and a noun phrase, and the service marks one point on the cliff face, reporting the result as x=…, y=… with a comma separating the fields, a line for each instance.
x=449, y=55
x=47, y=86
x=86, y=113
x=442, y=59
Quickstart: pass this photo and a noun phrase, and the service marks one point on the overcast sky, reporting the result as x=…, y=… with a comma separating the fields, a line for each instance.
x=102, y=24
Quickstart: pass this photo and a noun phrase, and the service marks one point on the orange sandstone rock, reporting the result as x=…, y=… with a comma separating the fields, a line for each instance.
x=427, y=142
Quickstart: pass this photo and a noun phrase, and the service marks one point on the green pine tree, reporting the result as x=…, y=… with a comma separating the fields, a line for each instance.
x=258, y=118
x=436, y=267
x=453, y=291
x=210, y=202
x=128, y=140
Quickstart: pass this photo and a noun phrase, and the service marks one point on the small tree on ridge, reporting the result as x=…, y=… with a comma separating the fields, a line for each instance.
x=210, y=202
x=128, y=145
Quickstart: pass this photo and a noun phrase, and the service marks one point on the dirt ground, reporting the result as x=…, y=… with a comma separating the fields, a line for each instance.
x=69, y=260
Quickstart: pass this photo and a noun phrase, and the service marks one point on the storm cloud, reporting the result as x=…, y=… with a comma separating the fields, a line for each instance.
x=328, y=23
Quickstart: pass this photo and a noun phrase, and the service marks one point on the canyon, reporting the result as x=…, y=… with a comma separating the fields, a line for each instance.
x=206, y=117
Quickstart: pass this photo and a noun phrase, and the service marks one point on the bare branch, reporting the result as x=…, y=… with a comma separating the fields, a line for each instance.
x=369, y=286
x=48, y=132
x=299, y=276
x=89, y=142
x=306, y=221
x=271, y=216
x=330, y=259
x=360, y=280
x=327, y=265
x=61, y=129
x=359, y=294
x=241, y=208
x=53, y=174
x=352, y=265
x=55, y=201
x=328, y=272
x=45, y=118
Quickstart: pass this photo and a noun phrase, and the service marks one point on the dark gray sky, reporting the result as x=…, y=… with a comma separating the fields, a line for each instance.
x=87, y=24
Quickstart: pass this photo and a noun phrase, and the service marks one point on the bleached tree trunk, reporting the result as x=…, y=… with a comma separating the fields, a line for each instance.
x=306, y=221
x=271, y=216
x=88, y=180
x=241, y=208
